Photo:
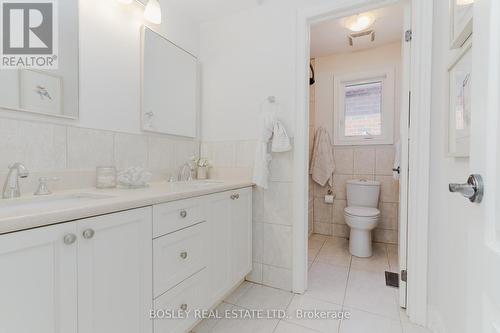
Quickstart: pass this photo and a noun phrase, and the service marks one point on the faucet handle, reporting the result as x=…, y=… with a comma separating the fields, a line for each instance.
x=43, y=189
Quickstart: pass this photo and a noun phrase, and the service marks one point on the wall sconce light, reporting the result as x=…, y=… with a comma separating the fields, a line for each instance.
x=152, y=11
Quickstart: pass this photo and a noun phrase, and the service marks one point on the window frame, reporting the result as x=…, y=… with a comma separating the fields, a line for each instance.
x=386, y=77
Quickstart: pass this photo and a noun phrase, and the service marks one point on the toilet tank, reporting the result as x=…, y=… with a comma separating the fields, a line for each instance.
x=363, y=193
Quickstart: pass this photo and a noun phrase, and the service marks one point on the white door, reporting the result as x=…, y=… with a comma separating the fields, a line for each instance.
x=241, y=234
x=115, y=273
x=479, y=284
x=38, y=280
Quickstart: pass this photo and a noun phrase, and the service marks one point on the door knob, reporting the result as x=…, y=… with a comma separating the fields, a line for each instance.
x=472, y=190
x=183, y=213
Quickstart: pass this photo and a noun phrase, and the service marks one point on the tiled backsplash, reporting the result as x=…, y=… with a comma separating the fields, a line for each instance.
x=272, y=208
x=355, y=162
x=72, y=153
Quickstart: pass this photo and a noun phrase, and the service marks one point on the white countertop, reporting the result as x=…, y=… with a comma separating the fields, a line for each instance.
x=109, y=201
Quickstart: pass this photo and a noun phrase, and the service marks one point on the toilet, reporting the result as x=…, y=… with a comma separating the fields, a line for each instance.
x=362, y=215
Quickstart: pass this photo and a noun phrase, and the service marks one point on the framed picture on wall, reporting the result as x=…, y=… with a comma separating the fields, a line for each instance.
x=461, y=14
x=460, y=87
x=40, y=91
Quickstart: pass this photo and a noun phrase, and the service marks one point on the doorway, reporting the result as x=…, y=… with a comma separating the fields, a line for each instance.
x=412, y=78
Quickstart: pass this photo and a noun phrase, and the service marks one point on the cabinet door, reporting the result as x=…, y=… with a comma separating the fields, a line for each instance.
x=218, y=218
x=241, y=233
x=115, y=273
x=38, y=280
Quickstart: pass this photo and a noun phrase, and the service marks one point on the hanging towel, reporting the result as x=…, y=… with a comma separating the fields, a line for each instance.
x=281, y=141
x=397, y=160
x=262, y=157
x=322, y=163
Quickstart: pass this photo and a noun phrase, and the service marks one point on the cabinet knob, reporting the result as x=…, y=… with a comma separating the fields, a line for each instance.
x=183, y=213
x=184, y=255
x=88, y=233
x=235, y=196
x=69, y=239
x=184, y=307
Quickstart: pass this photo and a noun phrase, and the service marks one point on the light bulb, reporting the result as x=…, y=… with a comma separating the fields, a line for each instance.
x=127, y=2
x=359, y=22
x=152, y=13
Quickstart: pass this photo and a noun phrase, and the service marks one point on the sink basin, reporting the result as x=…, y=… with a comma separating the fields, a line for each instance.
x=9, y=206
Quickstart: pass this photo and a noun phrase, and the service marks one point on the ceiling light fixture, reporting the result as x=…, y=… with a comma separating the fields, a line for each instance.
x=152, y=12
x=359, y=22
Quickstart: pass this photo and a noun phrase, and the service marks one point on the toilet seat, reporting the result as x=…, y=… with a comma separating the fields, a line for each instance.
x=367, y=212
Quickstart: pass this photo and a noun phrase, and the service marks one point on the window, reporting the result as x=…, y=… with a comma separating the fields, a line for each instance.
x=364, y=108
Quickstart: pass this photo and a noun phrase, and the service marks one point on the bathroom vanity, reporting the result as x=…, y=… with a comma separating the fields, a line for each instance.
x=102, y=263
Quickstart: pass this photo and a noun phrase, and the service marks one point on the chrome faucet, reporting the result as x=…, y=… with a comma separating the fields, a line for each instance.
x=186, y=172
x=11, y=186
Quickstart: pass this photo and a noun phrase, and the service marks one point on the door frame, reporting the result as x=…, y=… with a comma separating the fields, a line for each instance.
x=418, y=190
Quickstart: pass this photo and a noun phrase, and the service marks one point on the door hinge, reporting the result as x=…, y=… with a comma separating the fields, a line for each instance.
x=404, y=275
x=408, y=35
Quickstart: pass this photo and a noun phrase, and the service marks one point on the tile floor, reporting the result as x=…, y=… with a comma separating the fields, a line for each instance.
x=337, y=282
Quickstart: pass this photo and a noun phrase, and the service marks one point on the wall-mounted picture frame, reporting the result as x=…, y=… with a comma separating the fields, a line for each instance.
x=40, y=92
x=459, y=113
x=461, y=16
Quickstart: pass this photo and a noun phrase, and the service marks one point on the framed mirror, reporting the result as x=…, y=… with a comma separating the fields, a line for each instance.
x=51, y=92
x=169, y=87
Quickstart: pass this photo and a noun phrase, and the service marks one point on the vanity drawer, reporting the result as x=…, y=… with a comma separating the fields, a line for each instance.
x=173, y=216
x=189, y=296
x=179, y=255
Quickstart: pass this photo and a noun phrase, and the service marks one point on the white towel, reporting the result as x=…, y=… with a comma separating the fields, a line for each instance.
x=281, y=141
x=397, y=160
x=262, y=157
x=322, y=163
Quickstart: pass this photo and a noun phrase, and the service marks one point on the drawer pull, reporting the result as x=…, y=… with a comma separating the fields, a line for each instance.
x=184, y=255
x=184, y=307
x=235, y=196
x=88, y=234
x=69, y=239
x=183, y=213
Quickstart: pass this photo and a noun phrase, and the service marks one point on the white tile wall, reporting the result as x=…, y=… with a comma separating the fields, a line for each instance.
x=354, y=162
x=72, y=153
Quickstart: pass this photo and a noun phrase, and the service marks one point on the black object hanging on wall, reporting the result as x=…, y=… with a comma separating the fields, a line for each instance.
x=311, y=75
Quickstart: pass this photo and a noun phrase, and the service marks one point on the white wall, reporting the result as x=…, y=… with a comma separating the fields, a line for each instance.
x=108, y=131
x=386, y=56
x=245, y=58
x=110, y=60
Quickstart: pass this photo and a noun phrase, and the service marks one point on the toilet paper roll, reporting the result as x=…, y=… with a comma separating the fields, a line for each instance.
x=329, y=199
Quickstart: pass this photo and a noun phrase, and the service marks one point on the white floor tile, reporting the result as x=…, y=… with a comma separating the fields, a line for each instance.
x=335, y=251
x=378, y=262
x=241, y=325
x=327, y=282
x=367, y=291
x=314, y=245
x=207, y=325
x=239, y=292
x=260, y=297
x=363, y=322
x=308, y=303
x=285, y=327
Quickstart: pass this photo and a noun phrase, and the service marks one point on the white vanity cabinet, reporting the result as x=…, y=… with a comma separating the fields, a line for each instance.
x=230, y=217
x=38, y=280
x=115, y=273
x=105, y=274
x=87, y=276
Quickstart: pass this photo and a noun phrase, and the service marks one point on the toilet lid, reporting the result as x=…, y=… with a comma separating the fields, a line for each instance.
x=362, y=211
